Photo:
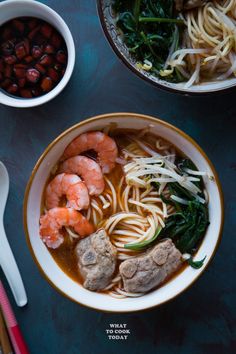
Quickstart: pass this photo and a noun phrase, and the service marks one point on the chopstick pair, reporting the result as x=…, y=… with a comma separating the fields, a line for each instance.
x=5, y=346
x=13, y=329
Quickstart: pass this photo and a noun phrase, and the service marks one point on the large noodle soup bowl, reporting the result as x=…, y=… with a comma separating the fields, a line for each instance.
x=32, y=207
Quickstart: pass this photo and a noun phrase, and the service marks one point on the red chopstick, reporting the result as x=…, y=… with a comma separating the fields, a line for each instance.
x=16, y=337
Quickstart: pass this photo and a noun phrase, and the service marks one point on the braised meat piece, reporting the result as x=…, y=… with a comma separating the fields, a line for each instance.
x=143, y=273
x=96, y=260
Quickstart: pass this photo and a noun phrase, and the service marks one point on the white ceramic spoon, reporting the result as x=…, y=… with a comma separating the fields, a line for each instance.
x=7, y=260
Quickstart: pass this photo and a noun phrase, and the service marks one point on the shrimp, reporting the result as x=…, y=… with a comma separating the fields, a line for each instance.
x=52, y=222
x=101, y=143
x=72, y=187
x=88, y=169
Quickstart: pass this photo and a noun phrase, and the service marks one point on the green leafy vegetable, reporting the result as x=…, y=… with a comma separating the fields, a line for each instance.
x=139, y=246
x=187, y=227
x=177, y=189
x=186, y=163
x=149, y=29
x=196, y=264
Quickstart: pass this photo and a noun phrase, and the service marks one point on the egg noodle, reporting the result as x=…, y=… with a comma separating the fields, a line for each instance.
x=133, y=211
x=208, y=46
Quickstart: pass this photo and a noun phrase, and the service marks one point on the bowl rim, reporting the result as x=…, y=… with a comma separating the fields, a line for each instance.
x=18, y=102
x=172, y=90
x=121, y=115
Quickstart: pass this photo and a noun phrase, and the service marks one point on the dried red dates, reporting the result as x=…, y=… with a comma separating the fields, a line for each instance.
x=33, y=57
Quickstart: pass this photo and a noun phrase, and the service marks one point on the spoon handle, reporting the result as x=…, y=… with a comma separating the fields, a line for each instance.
x=10, y=269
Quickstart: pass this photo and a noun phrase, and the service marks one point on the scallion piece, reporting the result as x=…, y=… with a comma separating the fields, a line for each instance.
x=139, y=246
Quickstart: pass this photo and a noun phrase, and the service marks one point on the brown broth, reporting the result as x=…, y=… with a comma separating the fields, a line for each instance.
x=65, y=256
x=66, y=259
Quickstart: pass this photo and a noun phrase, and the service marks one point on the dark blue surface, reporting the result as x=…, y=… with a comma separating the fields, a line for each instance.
x=200, y=321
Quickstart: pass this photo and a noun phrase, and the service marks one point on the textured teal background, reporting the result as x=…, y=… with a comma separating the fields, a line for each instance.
x=200, y=321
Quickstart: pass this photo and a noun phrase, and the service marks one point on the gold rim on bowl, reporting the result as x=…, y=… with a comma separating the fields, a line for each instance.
x=120, y=115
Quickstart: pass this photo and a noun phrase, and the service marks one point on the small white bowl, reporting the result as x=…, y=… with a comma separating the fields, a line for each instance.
x=32, y=207
x=10, y=9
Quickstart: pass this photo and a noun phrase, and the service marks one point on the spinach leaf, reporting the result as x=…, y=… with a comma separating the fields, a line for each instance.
x=149, y=29
x=196, y=264
x=187, y=227
x=181, y=192
x=186, y=163
x=127, y=21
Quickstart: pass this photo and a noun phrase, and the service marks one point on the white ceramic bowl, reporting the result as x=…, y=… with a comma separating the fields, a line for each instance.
x=108, y=20
x=49, y=267
x=16, y=8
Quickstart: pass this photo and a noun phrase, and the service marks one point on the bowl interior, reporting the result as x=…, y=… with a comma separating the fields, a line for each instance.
x=32, y=213
x=108, y=20
x=16, y=8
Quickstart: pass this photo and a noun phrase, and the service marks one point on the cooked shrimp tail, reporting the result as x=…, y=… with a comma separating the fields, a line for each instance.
x=72, y=187
x=55, y=219
x=102, y=144
x=88, y=169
